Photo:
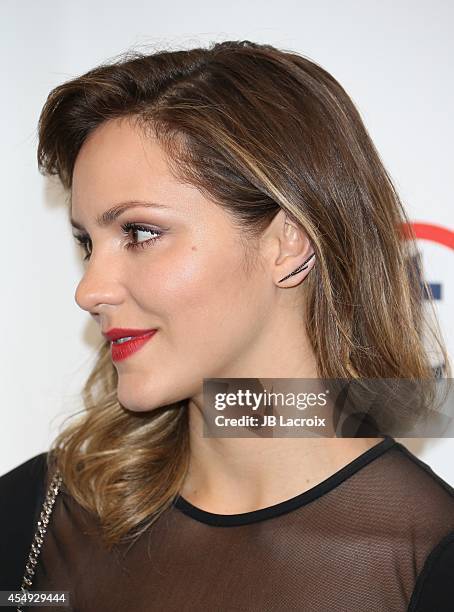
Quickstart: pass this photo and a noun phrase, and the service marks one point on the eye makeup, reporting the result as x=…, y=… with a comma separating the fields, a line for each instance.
x=127, y=229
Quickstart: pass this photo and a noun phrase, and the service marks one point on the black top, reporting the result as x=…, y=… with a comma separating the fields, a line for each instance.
x=376, y=536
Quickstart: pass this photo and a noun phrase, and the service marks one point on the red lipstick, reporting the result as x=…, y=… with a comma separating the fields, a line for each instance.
x=125, y=348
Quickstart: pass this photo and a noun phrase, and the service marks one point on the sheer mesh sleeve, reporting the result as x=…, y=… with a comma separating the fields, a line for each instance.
x=377, y=536
x=434, y=588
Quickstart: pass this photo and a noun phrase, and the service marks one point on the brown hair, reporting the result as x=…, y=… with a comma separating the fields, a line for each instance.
x=257, y=129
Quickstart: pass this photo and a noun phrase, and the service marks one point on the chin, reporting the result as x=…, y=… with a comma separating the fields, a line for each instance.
x=134, y=399
x=147, y=400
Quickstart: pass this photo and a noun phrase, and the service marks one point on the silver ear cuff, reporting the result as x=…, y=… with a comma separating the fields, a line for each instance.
x=300, y=268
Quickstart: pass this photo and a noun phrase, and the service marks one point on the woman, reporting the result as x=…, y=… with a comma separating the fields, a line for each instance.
x=236, y=221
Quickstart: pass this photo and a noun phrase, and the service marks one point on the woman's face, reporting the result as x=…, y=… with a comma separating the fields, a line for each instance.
x=190, y=282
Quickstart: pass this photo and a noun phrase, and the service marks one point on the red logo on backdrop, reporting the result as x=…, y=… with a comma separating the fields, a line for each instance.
x=433, y=233
x=428, y=231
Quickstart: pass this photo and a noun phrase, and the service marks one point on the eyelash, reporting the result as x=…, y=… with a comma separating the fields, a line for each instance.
x=83, y=239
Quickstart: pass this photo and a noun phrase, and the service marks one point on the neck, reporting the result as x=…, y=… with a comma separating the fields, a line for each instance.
x=233, y=475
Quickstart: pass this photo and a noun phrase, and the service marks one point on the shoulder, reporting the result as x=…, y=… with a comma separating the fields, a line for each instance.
x=425, y=517
x=434, y=589
x=21, y=487
x=416, y=487
x=22, y=492
x=26, y=472
x=422, y=502
x=410, y=500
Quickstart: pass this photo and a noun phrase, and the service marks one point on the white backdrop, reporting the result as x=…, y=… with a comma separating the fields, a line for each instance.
x=393, y=58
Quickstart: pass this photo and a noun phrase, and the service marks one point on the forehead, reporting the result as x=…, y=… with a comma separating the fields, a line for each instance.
x=116, y=159
x=119, y=163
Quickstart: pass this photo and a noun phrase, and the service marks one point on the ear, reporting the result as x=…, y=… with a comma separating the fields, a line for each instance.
x=293, y=255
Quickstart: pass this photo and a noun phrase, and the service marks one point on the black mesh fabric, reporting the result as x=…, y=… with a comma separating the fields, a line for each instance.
x=368, y=539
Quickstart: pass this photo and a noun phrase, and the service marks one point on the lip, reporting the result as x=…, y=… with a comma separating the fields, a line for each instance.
x=122, y=332
x=125, y=349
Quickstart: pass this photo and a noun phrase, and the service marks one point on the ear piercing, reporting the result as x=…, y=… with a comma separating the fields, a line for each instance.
x=300, y=268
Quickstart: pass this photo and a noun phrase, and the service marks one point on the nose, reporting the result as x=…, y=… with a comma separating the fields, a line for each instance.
x=100, y=285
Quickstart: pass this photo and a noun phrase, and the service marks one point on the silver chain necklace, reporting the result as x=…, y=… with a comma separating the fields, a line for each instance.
x=38, y=538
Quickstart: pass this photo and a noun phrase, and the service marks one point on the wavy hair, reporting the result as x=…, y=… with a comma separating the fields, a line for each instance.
x=257, y=129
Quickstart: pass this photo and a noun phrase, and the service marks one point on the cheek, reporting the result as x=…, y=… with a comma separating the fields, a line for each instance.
x=195, y=291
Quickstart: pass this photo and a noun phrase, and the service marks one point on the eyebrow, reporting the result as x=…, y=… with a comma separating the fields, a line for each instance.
x=109, y=216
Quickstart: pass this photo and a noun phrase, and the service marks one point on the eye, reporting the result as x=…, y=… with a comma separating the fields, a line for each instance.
x=128, y=229
x=134, y=228
x=83, y=240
